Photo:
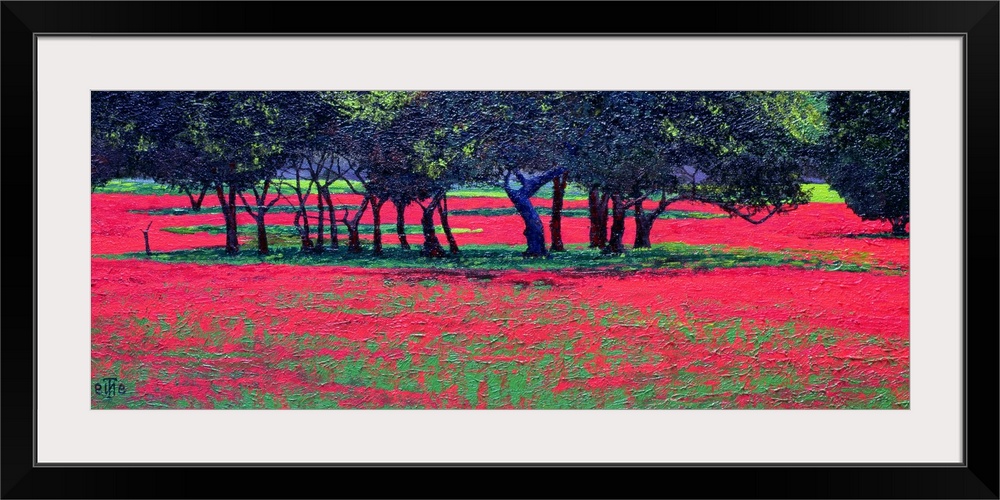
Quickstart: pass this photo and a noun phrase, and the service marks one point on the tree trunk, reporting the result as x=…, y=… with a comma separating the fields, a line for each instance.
x=534, y=231
x=145, y=237
x=229, y=214
x=307, y=242
x=232, y=238
x=598, y=204
x=303, y=232
x=377, y=230
x=555, y=224
x=353, y=238
x=618, y=211
x=432, y=246
x=201, y=198
x=196, y=202
x=643, y=226
x=319, y=223
x=401, y=225
x=258, y=215
x=644, y=220
x=261, y=233
x=334, y=240
x=443, y=213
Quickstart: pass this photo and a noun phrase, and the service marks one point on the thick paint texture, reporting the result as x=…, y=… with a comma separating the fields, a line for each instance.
x=760, y=333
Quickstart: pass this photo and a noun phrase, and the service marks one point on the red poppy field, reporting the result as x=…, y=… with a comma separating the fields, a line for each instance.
x=808, y=310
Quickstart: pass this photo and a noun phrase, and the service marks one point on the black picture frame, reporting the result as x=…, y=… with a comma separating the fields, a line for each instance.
x=976, y=477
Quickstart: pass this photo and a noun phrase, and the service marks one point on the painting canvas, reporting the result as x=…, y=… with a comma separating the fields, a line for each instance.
x=500, y=249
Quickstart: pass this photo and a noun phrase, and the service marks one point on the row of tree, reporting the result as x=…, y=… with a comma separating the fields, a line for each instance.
x=632, y=152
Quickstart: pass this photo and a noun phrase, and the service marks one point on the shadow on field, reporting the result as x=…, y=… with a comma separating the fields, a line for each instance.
x=880, y=236
x=866, y=236
x=483, y=261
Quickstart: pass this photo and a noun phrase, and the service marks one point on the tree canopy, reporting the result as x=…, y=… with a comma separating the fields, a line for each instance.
x=745, y=152
x=869, y=154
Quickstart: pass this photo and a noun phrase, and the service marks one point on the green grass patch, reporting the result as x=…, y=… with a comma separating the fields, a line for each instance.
x=878, y=236
x=822, y=193
x=135, y=186
x=502, y=257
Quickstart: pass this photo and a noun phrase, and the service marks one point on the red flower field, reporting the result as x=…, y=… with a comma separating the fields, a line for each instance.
x=808, y=310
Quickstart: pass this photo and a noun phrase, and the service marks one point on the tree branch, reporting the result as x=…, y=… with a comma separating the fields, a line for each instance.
x=506, y=183
x=754, y=211
x=289, y=200
x=348, y=181
x=357, y=215
x=634, y=201
x=246, y=206
x=361, y=211
x=530, y=185
x=277, y=196
x=267, y=185
x=521, y=179
x=664, y=202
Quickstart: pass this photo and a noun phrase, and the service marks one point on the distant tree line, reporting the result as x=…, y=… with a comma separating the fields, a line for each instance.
x=634, y=153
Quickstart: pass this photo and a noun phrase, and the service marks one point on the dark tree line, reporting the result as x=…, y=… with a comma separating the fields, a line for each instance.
x=634, y=153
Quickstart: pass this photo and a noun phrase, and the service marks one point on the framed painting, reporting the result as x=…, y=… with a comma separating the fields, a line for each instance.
x=687, y=248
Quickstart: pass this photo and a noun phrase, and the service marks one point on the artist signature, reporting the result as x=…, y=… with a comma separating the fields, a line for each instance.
x=109, y=387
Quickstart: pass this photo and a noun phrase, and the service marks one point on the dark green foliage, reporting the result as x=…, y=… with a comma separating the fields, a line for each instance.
x=869, y=154
x=129, y=130
x=755, y=187
x=630, y=153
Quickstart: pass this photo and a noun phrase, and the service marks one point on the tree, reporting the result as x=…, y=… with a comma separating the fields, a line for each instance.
x=175, y=159
x=516, y=137
x=869, y=154
x=376, y=149
x=622, y=158
x=271, y=124
x=315, y=149
x=259, y=209
x=417, y=152
x=179, y=164
x=139, y=133
x=736, y=150
x=742, y=151
x=128, y=128
x=114, y=139
x=574, y=115
x=243, y=138
x=555, y=221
